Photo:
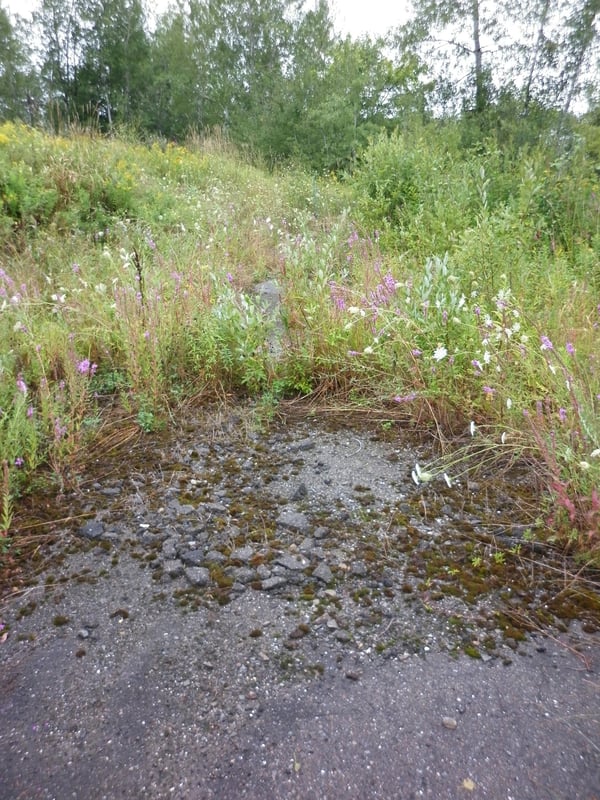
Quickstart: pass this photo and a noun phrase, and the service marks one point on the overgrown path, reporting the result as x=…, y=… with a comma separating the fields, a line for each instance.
x=235, y=613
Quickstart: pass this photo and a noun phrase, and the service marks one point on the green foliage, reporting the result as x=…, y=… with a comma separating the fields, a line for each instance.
x=475, y=302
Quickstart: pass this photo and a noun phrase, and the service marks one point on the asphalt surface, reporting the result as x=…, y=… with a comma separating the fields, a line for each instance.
x=165, y=705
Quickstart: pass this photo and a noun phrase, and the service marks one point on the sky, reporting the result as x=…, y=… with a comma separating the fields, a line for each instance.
x=355, y=17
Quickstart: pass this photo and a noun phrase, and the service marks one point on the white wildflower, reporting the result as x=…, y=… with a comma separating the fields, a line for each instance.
x=420, y=476
x=439, y=353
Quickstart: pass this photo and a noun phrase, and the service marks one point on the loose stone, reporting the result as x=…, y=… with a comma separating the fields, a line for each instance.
x=274, y=582
x=343, y=636
x=169, y=548
x=323, y=573
x=193, y=558
x=242, y=554
x=294, y=521
x=244, y=574
x=173, y=568
x=92, y=530
x=291, y=562
x=197, y=576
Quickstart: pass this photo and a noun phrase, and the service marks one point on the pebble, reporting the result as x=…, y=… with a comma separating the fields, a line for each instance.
x=92, y=530
x=343, y=636
x=323, y=573
x=292, y=562
x=197, y=576
x=242, y=553
x=449, y=722
x=193, y=558
x=173, y=567
x=293, y=521
x=273, y=583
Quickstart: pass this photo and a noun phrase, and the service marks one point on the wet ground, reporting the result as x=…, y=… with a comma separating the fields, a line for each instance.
x=279, y=611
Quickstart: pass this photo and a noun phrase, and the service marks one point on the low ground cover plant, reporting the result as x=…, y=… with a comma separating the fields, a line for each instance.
x=455, y=288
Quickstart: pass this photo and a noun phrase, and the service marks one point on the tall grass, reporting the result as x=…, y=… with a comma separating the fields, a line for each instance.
x=451, y=286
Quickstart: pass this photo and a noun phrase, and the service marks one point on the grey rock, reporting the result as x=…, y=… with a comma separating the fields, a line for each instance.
x=302, y=445
x=323, y=573
x=169, y=548
x=300, y=493
x=92, y=529
x=263, y=572
x=214, y=557
x=192, y=558
x=242, y=554
x=197, y=576
x=173, y=568
x=274, y=582
x=292, y=562
x=358, y=568
x=294, y=521
x=213, y=508
x=343, y=636
x=244, y=574
x=449, y=722
x=353, y=674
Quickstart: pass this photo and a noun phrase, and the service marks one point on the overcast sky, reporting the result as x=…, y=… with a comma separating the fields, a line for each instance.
x=351, y=16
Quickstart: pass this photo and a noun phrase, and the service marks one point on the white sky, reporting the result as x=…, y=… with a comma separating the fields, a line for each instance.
x=355, y=17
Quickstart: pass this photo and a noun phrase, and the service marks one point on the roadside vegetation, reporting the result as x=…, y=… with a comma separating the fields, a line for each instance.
x=455, y=287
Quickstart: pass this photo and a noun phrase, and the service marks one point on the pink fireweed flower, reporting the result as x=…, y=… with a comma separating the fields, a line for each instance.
x=85, y=368
x=60, y=430
x=546, y=343
x=389, y=282
x=21, y=385
x=30, y=412
x=416, y=352
x=487, y=390
x=19, y=462
x=569, y=348
x=337, y=296
x=562, y=414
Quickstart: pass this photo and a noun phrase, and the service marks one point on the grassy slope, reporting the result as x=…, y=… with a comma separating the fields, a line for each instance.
x=445, y=287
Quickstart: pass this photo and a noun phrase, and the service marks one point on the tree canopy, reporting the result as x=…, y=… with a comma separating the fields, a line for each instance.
x=274, y=76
